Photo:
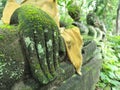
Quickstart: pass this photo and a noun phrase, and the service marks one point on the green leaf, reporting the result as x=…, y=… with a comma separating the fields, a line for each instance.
x=115, y=82
x=111, y=75
x=104, y=77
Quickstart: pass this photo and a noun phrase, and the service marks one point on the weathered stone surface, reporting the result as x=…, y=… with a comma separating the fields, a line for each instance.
x=65, y=71
x=11, y=59
x=66, y=78
x=89, y=50
x=83, y=28
x=89, y=78
x=40, y=50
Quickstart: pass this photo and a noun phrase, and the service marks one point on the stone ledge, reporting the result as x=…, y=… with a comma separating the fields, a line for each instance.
x=89, y=78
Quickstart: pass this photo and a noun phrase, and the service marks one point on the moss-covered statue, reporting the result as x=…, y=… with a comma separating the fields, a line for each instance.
x=39, y=40
x=42, y=42
x=96, y=27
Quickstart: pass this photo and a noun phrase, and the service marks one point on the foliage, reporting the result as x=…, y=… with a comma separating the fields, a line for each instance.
x=110, y=73
x=106, y=10
x=63, y=5
x=2, y=4
x=5, y=26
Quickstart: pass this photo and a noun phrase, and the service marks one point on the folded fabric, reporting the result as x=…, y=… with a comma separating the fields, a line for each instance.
x=10, y=7
x=49, y=6
x=73, y=41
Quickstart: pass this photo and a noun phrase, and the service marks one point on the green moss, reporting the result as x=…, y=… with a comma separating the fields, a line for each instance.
x=73, y=8
x=35, y=17
x=41, y=36
x=5, y=26
x=74, y=12
x=1, y=37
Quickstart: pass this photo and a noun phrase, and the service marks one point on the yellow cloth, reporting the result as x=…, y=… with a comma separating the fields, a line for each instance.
x=73, y=41
x=10, y=7
x=49, y=6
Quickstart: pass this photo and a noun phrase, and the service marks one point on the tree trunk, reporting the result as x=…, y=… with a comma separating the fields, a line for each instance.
x=118, y=20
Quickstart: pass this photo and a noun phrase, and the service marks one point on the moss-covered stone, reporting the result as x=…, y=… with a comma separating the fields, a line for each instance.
x=92, y=19
x=90, y=75
x=39, y=37
x=62, y=49
x=92, y=32
x=89, y=50
x=11, y=58
x=83, y=28
x=74, y=12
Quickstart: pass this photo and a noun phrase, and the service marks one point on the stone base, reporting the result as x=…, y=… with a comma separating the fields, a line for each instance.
x=88, y=80
x=68, y=80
